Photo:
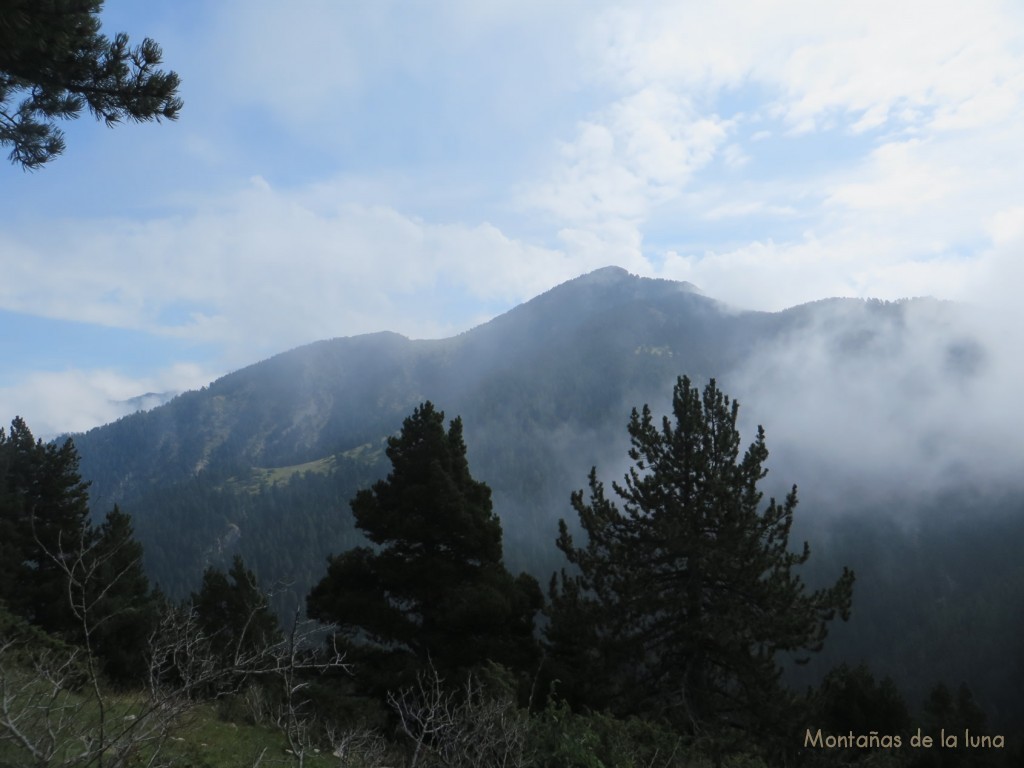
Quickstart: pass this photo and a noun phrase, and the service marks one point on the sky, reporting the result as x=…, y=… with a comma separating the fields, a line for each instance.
x=349, y=167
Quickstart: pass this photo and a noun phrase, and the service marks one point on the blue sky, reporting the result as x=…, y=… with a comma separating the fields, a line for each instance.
x=342, y=168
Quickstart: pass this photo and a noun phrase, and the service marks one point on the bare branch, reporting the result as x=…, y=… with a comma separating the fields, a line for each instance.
x=461, y=728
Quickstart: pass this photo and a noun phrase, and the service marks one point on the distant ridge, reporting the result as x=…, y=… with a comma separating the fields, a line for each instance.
x=613, y=274
x=544, y=391
x=608, y=338
x=145, y=401
x=263, y=461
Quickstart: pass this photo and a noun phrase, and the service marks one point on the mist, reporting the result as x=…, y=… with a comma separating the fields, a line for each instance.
x=868, y=402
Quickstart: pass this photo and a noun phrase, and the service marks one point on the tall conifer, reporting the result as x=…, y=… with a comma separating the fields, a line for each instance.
x=54, y=62
x=679, y=602
x=83, y=583
x=44, y=521
x=234, y=613
x=125, y=608
x=433, y=587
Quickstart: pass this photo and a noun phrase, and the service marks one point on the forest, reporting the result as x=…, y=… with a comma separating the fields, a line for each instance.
x=553, y=539
x=684, y=625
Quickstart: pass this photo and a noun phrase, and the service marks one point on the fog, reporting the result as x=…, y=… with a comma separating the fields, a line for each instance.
x=55, y=403
x=865, y=402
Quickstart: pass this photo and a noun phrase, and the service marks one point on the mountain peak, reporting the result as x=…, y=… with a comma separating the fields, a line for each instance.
x=612, y=275
x=606, y=275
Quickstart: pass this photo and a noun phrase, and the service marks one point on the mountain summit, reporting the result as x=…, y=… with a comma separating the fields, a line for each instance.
x=862, y=402
x=544, y=391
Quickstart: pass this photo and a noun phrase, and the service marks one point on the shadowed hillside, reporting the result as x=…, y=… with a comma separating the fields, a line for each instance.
x=264, y=461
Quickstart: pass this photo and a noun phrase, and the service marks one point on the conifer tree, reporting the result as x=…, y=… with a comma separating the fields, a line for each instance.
x=54, y=62
x=850, y=699
x=58, y=571
x=126, y=609
x=433, y=587
x=234, y=613
x=44, y=511
x=679, y=602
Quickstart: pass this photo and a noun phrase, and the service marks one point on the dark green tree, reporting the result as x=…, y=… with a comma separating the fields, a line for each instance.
x=124, y=609
x=433, y=587
x=680, y=601
x=850, y=699
x=54, y=62
x=61, y=573
x=955, y=714
x=234, y=613
x=44, y=521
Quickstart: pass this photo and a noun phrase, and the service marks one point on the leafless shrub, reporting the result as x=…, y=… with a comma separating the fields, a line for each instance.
x=358, y=747
x=474, y=725
x=56, y=711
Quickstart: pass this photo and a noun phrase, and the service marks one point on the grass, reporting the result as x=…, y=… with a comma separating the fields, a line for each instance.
x=202, y=739
x=261, y=477
x=208, y=741
x=275, y=475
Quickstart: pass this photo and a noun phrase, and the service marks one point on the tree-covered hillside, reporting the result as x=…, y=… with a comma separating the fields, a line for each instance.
x=664, y=642
x=262, y=462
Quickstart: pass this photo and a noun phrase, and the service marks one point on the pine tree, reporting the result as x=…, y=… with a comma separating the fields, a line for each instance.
x=955, y=714
x=44, y=521
x=234, y=613
x=125, y=608
x=679, y=602
x=58, y=571
x=850, y=699
x=54, y=59
x=433, y=588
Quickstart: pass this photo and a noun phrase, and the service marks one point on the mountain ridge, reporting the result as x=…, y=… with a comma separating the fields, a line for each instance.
x=301, y=419
x=559, y=372
x=860, y=400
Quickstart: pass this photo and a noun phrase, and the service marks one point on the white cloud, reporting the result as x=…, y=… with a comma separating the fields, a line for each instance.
x=749, y=208
x=771, y=276
x=417, y=167
x=901, y=213
x=262, y=271
x=639, y=153
x=872, y=60
x=1006, y=227
x=898, y=179
x=734, y=156
x=883, y=404
x=75, y=400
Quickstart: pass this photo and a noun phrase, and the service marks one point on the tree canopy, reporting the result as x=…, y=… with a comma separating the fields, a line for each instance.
x=679, y=602
x=44, y=512
x=81, y=582
x=233, y=612
x=116, y=590
x=54, y=62
x=433, y=587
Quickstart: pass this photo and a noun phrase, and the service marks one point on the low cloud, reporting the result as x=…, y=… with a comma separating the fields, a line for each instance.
x=264, y=271
x=865, y=403
x=75, y=400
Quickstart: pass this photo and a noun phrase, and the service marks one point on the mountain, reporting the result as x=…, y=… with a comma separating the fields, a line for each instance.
x=544, y=390
x=861, y=401
x=144, y=402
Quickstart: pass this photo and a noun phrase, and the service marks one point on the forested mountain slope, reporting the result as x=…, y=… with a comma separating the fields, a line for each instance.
x=264, y=461
x=543, y=390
